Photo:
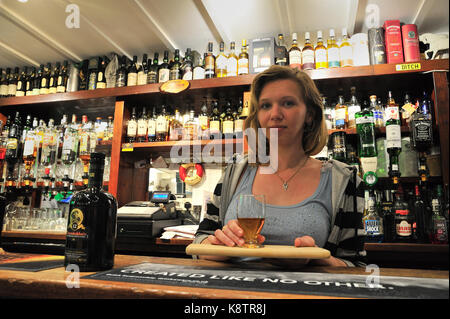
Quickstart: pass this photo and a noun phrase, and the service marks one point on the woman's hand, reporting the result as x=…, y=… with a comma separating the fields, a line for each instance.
x=307, y=241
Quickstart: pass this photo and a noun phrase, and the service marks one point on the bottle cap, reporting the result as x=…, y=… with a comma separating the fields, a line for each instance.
x=307, y=35
x=331, y=32
x=319, y=34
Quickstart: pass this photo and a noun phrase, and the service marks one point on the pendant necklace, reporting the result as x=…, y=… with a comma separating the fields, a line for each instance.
x=285, y=182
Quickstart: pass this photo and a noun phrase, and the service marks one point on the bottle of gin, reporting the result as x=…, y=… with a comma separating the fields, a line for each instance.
x=373, y=223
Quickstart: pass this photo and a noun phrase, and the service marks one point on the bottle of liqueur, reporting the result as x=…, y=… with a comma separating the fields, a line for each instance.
x=295, y=54
x=132, y=127
x=210, y=62
x=175, y=68
x=61, y=81
x=203, y=122
x=320, y=53
x=345, y=50
x=403, y=218
x=152, y=75
x=243, y=66
x=221, y=62
x=142, y=126
x=12, y=84
x=4, y=82
x=341, y=113
x=45, y=78
x=164, y=71
x=281, y=54
x=151, y=126
x=239, y=121
x=215, y=122
x=187, y=67
x=176, y=129
x=353, y=108
x=142, y=71
x=439, y=233
x=393, y=137
x=190, y=127
x=30, y=147
x=92, y=223
x=54, y=78
x=373, y=223
x=420, y=214
x=232, y=61
x=308, y=53
x=121, y=77
x=93, y=71
x=132, y=73
x=101, y=78
x=228, y=122
x=333, y=51
x=21, y=82
x=161, y=125
x=29, y=82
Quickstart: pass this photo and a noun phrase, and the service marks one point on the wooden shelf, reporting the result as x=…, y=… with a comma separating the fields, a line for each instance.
x=167, y=144
x=378, y=130
x=407, y=247
x=242, y=80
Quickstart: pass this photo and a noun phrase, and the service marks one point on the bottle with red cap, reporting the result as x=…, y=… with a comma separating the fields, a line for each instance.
x=404, y=220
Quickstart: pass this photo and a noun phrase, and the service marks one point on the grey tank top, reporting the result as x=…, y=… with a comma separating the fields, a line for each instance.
x=283, y=224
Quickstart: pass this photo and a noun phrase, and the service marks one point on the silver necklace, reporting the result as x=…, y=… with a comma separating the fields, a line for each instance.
x=285, y=182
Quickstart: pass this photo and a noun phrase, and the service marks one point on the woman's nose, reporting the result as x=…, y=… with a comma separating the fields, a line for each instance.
x=276, y=112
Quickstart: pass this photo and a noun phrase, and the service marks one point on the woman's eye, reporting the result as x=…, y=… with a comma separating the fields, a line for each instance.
x=265, y=106
x=289, y=103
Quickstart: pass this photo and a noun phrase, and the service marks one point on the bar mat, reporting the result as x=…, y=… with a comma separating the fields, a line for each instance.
x=30, y=262
x=320, y=284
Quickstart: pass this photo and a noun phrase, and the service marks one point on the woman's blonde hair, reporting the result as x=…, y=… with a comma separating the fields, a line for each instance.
x=315, y=135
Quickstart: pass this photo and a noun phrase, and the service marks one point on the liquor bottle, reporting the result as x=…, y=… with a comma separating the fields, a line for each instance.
x=86, y=136
x=406, y=110
x=328, y=112
x=377, y=112
x=320, y=53
x=243, y=66
x=295, y=53
x=232, y=61
x=151, y=126
x=4, y=82
x=92, y=223
x=30, y=147
x=61, y=81
x=353, y=159
x=176, y=129
x=334, y=60
x=12, y=84
x=187, y=66
x=353, y=108
x=420, y=214
x=239, y=121
x=49, y=144
x=93, y=71
x=175, y=68
x=203, y=122
x=403, y=218
x=142, y=71
x=142, y=125
x=132, y=127
x=210, y=62
x=421, y=126
x=70, y=144
x=152, y=75
x=163, y=70
x=199, y=70
x=54, y=78
x=109, y=129
x=215, y=122
x=339, y=143
x=373, y=223
x=132, y=73
x=43, y=89
x=388, y=215
x=308, y=54
x=161, y=125
x=367, y=150
x=121, y=77
x=341, y=114
x=345, y=50
x=281, y=54
x=21, y=82
x=101, y=79
x=228, y=122
x=439, y=233
x=190, y=127
x=221, y=62
x=29, y=82
x=393, y=137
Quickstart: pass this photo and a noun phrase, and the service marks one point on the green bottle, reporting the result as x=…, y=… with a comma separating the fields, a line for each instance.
x=365, y=128
x=393, y=137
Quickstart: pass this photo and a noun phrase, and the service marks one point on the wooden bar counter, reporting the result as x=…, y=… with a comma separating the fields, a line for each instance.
x=51, y=283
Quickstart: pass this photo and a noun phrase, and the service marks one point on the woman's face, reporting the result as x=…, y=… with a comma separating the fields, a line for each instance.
x=281, y=106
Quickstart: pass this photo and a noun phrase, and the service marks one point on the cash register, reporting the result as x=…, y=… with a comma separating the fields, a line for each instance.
x=147, y=219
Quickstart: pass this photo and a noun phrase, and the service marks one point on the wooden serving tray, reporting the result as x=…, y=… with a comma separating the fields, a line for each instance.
x=267, y=251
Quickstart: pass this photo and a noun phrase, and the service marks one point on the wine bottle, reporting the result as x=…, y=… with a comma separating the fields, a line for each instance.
x=92, y=223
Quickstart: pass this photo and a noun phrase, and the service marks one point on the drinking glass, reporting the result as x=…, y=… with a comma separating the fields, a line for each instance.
x=251, y=212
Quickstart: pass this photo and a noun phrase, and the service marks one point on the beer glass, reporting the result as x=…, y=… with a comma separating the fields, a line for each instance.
x=251, y=211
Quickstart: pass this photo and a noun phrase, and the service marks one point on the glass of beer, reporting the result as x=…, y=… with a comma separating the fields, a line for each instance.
x=251, y=211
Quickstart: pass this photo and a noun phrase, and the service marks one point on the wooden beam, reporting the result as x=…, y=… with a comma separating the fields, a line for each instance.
x=211, y=21
x=18, y=54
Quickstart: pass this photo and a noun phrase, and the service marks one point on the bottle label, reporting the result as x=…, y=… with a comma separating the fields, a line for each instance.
x=391, y=113
x=142, y=128
x=3, y=90
x=199, y=73
x=243, y=66
x=232, y=66
x=28, y=147
x=12, y=89
x=393, y=136
x=84, y=143
x=161, y=124
x=346, y=53
x=203, y=122
x=101, y=85
x=163, y=75
x=151, y=128
x=352, y=110
x=174, y=74
x=92, y=81
x=364, y=120
x=340, y=116
x=221, y=62
x=295, y=59
x=238, y=125
x=403, y=229
x=214, y=126
x=20, y=93
x=372, y=227
x=188, y=75
x=440, y=229
x=308, y=56
x=228, y=127
x=77, y=224
x=422, y=131
x=378, y=115
x=132, y=127
x=132, y=79
x=333, y=57
x=141, y=78
x=321, y=58
x=151, y=77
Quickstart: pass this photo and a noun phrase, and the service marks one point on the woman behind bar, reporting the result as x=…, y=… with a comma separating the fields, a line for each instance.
x=308, y=203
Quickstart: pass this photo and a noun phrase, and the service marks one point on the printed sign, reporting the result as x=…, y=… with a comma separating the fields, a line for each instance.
x=408, y=67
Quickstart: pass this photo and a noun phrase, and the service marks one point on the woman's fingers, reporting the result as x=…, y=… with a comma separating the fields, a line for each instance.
x=304, y=241
x=230, y=235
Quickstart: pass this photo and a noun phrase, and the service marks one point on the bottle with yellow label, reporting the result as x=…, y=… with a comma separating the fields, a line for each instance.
x=221, y=62
x=243, y=59
x=345, y=50
x=320, y=53
x=333, y=51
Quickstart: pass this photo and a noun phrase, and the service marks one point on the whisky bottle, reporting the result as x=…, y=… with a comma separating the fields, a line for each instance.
x=49, y=144
x=295, y=54
x=132, y=73
x=393, y=137
x=308, y=58
x=4, y=82
x=92, y=223
x=152, y=75
x=121, y=77
x=221, y=62
x=353, y=108
x=142, y=71
x=21, y=82
x=243, y=67
x=232, y=61
x=439, y=234
x=228, y=122
x=71, y=141
x=320, y=53
x=421, y=125
x=403, y=218
x=61, y=81
x=93, y=71
x=281, y=54
x=175, y=72
x=345, y=50
x=190, y=127
x=176, y=130
x=54, y=78
x=341, y=113
x=215, y=122
x=29, y=82
x=163, y=70
x=161, y=125
x=12, y=84
x=85, y=146
x=377, y=111
x=43, y=89
x=132, y=127
x=187, y=66
x=239, y=121
x=203, y=122
x=333, y=51
x=29, y=154
x=210, y=62
x=101, y=79
x=151, y=127
x=37, y=80
x=199, y=70
x=142, y=125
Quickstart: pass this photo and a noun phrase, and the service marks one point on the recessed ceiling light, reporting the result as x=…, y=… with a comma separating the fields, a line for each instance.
x=23, y=1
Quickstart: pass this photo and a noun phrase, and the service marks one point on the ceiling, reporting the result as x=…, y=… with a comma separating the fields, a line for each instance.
x=35, y=32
